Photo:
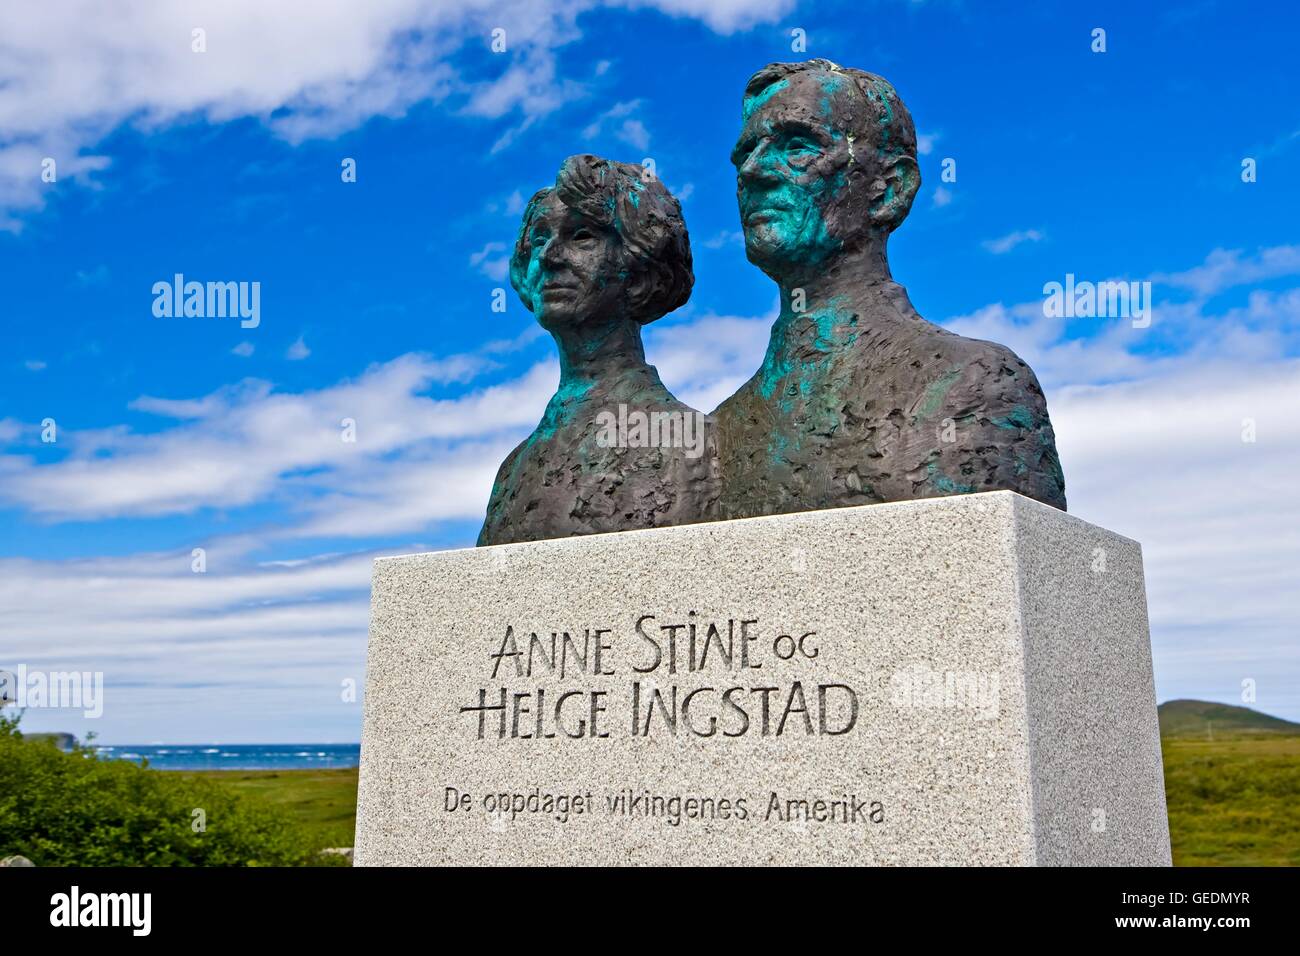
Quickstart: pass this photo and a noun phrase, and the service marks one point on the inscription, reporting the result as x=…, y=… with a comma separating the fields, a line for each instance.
x=673, y=809
x=714, y=689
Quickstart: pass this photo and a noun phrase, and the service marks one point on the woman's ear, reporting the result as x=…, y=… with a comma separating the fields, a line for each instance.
x=518, y=267
x=902, y=179
x=638, y=289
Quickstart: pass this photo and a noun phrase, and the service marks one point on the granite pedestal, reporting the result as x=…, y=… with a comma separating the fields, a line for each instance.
x=961, y=680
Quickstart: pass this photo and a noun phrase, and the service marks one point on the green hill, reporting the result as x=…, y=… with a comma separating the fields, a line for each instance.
x=1232, y=782
x=1206, y=720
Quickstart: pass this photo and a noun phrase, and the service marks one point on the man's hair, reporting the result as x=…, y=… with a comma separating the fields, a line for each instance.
x=647, y=217
x=886, y=123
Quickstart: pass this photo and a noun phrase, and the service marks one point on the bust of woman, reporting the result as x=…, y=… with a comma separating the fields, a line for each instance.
x=599, y=255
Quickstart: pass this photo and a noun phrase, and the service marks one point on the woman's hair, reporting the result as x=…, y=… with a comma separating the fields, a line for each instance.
x=646, y=217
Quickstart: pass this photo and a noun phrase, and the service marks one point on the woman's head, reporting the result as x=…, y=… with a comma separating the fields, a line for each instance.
x=605, y=242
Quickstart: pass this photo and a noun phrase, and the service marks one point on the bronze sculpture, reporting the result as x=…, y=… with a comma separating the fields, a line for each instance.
x=599, y=255
x=859, y=399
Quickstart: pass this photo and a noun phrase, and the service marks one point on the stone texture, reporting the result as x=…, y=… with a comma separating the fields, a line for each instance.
x=1044, y=750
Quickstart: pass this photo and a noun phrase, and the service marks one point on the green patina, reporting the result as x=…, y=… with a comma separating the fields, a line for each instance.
x=944, y=483
x=561, y=407
x=800, y=228
x=777, y=445
x=880, y=91
x=776, y=364
x=1053, y=462
x=1018, y=417
x=835, y=327
x=832, y=320
x=754, y=103
x=831, y=84
x=634, y=193
x=935, y=395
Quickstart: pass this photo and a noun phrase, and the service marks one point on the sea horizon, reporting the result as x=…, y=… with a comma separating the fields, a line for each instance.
x=214, y=756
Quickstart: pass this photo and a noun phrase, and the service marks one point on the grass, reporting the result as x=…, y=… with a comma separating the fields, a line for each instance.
x=324, y=802
x=1232, y=782
x=1234, y=801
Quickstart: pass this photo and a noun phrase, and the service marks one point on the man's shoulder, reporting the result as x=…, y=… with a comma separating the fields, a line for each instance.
x=947, y=349
x=970, y=364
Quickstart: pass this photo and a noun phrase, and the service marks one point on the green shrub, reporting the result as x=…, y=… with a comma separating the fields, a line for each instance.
x=72, y=808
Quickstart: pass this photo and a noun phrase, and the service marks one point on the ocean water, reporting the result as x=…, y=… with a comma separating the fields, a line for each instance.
x=237, y=756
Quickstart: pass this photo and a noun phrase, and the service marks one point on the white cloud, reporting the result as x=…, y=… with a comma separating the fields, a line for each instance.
x=493, y=260
x=173, y=644
x=705, y=360
x=620, y=110
x=727, y=237
x=724, y=16
x=239, y=445
x=1162, y=460
x=243, y=349
x=1011, y=240
x=73, y=72
x=1151, y=440
x=634, y=133
x=925, y=143
x=96, y=276
x=298, y=350
x=34, y=365
x=942, y=196
x=1226, y=268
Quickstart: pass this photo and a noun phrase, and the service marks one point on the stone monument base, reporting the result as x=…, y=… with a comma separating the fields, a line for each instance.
x=961, y=680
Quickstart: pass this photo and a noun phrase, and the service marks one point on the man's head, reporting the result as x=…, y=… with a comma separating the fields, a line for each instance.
x=603, y=243
x=826, y=159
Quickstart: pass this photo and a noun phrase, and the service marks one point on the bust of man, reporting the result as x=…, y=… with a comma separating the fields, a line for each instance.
x=859, y=399
x=601, y=254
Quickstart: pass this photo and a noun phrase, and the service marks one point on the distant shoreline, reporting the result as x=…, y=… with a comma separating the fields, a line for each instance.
x=207, y=770
x=235, y=757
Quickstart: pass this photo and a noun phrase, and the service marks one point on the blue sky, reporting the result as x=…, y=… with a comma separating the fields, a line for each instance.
x=184, y=433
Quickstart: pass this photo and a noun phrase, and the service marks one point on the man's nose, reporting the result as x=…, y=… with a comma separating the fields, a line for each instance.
x=759, y=165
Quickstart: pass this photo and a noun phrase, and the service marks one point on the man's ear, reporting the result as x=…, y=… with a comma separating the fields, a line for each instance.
x=896, y=188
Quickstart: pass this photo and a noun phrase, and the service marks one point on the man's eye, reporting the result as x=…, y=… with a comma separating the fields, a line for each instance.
x=583, y=234
x=804, y=146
